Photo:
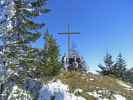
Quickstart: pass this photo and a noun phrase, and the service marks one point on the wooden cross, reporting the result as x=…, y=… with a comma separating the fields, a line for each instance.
x=69, y=38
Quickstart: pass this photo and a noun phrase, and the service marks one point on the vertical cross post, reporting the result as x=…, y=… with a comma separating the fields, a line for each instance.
x=69, y=41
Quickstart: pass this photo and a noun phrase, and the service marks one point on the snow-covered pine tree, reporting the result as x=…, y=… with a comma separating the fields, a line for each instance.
x=20, y=31
x=7, y=12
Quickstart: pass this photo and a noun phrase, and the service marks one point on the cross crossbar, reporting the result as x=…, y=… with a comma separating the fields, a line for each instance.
x=66, y=33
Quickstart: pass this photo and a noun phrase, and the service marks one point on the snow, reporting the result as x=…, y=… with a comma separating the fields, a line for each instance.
x=19, y=94
x=92, y=71
x=78, y=91
x=91, y=79
x=119, y=97
x=16, y=74
x=2, y=2
x=29, y=9
x=123, y=84
x=8, y=12
x=128, y=87
x=98, y=95
x=57, y=90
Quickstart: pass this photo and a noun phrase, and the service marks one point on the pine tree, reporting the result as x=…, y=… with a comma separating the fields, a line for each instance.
x=6, y=14
x=108, y=68
x=20, y=33
x=120, y=66
x=128, y=76
x=17, y=32
x=50, y=62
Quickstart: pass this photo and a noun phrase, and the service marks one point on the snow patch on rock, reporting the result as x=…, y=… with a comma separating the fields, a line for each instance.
x=58, y=91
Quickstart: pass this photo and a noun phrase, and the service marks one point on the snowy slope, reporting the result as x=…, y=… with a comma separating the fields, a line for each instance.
x=58, y=91
x=89, y=87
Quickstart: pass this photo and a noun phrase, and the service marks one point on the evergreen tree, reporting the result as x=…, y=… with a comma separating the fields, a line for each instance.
x=6, y=9
x=17, y=32
x=128, y=76
x=50, y=62
x=120, y=66
x=20, y=33
x=108, y=68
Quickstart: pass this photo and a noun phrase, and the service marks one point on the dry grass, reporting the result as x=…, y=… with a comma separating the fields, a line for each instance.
x=79, y=80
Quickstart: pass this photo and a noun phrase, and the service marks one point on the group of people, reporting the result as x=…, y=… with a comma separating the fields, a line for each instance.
x=71, y=63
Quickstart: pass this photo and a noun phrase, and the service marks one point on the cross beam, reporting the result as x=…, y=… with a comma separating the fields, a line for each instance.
x=69, y=38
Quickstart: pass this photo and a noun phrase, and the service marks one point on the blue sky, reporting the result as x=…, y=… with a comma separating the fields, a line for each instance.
x=105, y=25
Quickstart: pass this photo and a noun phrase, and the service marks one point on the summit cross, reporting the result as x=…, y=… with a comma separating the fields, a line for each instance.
x=69, y=34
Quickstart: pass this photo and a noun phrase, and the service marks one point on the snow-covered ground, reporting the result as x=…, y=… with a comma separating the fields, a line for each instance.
x=19, y=94
x=99, y=96
x=128, y=87
x=58, y=91
x=119, y=97
x=93, y=72
x=123, y=84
